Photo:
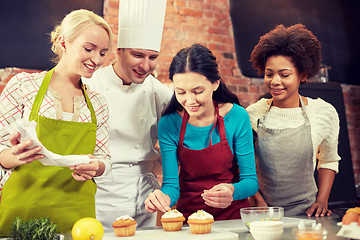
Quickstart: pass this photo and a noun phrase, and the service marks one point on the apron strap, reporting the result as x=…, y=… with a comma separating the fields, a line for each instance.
x=41, y=94
x=87, y=99
x=183, y=127
x=304, y=111
x=219, y=122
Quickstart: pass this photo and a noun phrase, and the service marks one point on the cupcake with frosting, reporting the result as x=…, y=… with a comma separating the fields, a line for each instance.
x=172, y=220
x=200, y=222
x=124, y=226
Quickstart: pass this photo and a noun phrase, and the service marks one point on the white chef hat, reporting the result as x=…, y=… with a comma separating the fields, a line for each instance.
x=141, y=24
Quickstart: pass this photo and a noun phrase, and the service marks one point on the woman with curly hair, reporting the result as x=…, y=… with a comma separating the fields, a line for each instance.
x=293, y=131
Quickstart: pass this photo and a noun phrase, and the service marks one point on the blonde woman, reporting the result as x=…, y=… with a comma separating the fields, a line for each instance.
x=69, y=120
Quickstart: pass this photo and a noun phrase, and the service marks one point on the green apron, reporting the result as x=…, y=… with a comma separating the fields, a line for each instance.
x=34, y=190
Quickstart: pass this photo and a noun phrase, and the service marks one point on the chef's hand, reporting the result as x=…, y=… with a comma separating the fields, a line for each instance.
x=219, y=196
x=19, y=153
x=83, y=172
x=157, y=200
x=319, y=209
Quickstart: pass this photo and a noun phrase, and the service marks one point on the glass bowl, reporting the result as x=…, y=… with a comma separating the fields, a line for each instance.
x=310, y=234
x=251, y=214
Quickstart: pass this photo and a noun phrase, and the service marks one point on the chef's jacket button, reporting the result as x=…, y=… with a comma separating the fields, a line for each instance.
x=130, y=165
x=136, y=146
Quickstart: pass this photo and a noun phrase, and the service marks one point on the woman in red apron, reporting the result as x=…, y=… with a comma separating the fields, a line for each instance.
x=206, y=134
x=293, y=131
x=69, y=121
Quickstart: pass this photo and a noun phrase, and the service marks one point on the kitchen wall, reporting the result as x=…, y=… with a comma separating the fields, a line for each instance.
x=208, y=22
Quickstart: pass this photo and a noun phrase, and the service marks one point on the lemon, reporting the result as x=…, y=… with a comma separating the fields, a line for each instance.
x=87, y=229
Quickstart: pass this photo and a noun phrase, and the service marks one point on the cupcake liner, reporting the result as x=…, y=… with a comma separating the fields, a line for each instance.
x=172, y=226
x=200, y=228
x=125, y=231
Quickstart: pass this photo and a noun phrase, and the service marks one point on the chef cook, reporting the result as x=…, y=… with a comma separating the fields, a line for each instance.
x=136, y=100
x=70, y=120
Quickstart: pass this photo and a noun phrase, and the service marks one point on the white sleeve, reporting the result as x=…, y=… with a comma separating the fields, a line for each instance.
x=255, y=111
x=328, y=149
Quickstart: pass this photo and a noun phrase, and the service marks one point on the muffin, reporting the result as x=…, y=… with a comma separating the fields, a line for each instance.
x=172, y=220
x=200, y=222
x=124, y=226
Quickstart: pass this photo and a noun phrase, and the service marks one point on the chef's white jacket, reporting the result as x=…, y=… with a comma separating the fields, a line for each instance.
x=134, y=113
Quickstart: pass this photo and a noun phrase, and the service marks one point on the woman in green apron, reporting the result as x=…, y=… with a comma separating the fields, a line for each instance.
x=293, y=132
x=70, y=120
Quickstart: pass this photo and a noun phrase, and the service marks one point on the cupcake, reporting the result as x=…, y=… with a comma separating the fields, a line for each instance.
x=200, y=222
x=172, y=220
x=124, y=226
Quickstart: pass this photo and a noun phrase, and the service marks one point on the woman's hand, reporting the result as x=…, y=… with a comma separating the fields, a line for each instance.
x=319, y=209
x=325, y=181
x=83, y=172
x=259, y=200
x=19, y=153
x=157, y=200
x=219, y=196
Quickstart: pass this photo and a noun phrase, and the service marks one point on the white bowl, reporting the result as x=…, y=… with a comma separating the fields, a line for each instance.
x=266, y=235
x=266, y=225
x=309, y=233
x=252, y=214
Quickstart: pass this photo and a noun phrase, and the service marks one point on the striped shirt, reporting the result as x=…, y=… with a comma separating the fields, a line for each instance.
x=18, y=97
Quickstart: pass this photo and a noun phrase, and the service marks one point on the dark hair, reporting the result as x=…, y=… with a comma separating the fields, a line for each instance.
x=199, y=59
x=295, y=42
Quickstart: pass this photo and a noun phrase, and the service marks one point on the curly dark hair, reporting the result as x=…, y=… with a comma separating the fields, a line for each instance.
x=295, y=42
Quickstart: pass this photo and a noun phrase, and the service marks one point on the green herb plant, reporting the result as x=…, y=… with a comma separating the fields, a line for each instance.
x=33, y=229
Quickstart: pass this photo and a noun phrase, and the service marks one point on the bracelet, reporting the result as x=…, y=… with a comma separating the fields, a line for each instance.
x=4, y=168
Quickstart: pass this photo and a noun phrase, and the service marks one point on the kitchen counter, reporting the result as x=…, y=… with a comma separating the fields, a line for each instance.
x=229, y=229
x=233, y=229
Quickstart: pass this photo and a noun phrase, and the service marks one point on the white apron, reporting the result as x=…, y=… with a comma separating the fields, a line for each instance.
x=130, y=185
x=285, y=166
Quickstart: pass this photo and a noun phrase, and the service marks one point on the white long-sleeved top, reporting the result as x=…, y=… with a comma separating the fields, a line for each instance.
x=134, y=112
x=324, y=122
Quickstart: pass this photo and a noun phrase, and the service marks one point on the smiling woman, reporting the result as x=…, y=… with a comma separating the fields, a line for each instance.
x=293, y=132
x=206, y=133
x=70, y=121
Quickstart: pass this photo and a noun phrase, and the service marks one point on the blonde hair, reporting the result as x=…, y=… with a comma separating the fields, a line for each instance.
x=72, y=25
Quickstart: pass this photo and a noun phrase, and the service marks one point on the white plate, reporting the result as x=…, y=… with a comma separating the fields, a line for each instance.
x=160, y=234
x=349, y=231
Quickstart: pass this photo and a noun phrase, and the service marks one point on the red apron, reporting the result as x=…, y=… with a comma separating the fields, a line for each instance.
x=202, y=169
